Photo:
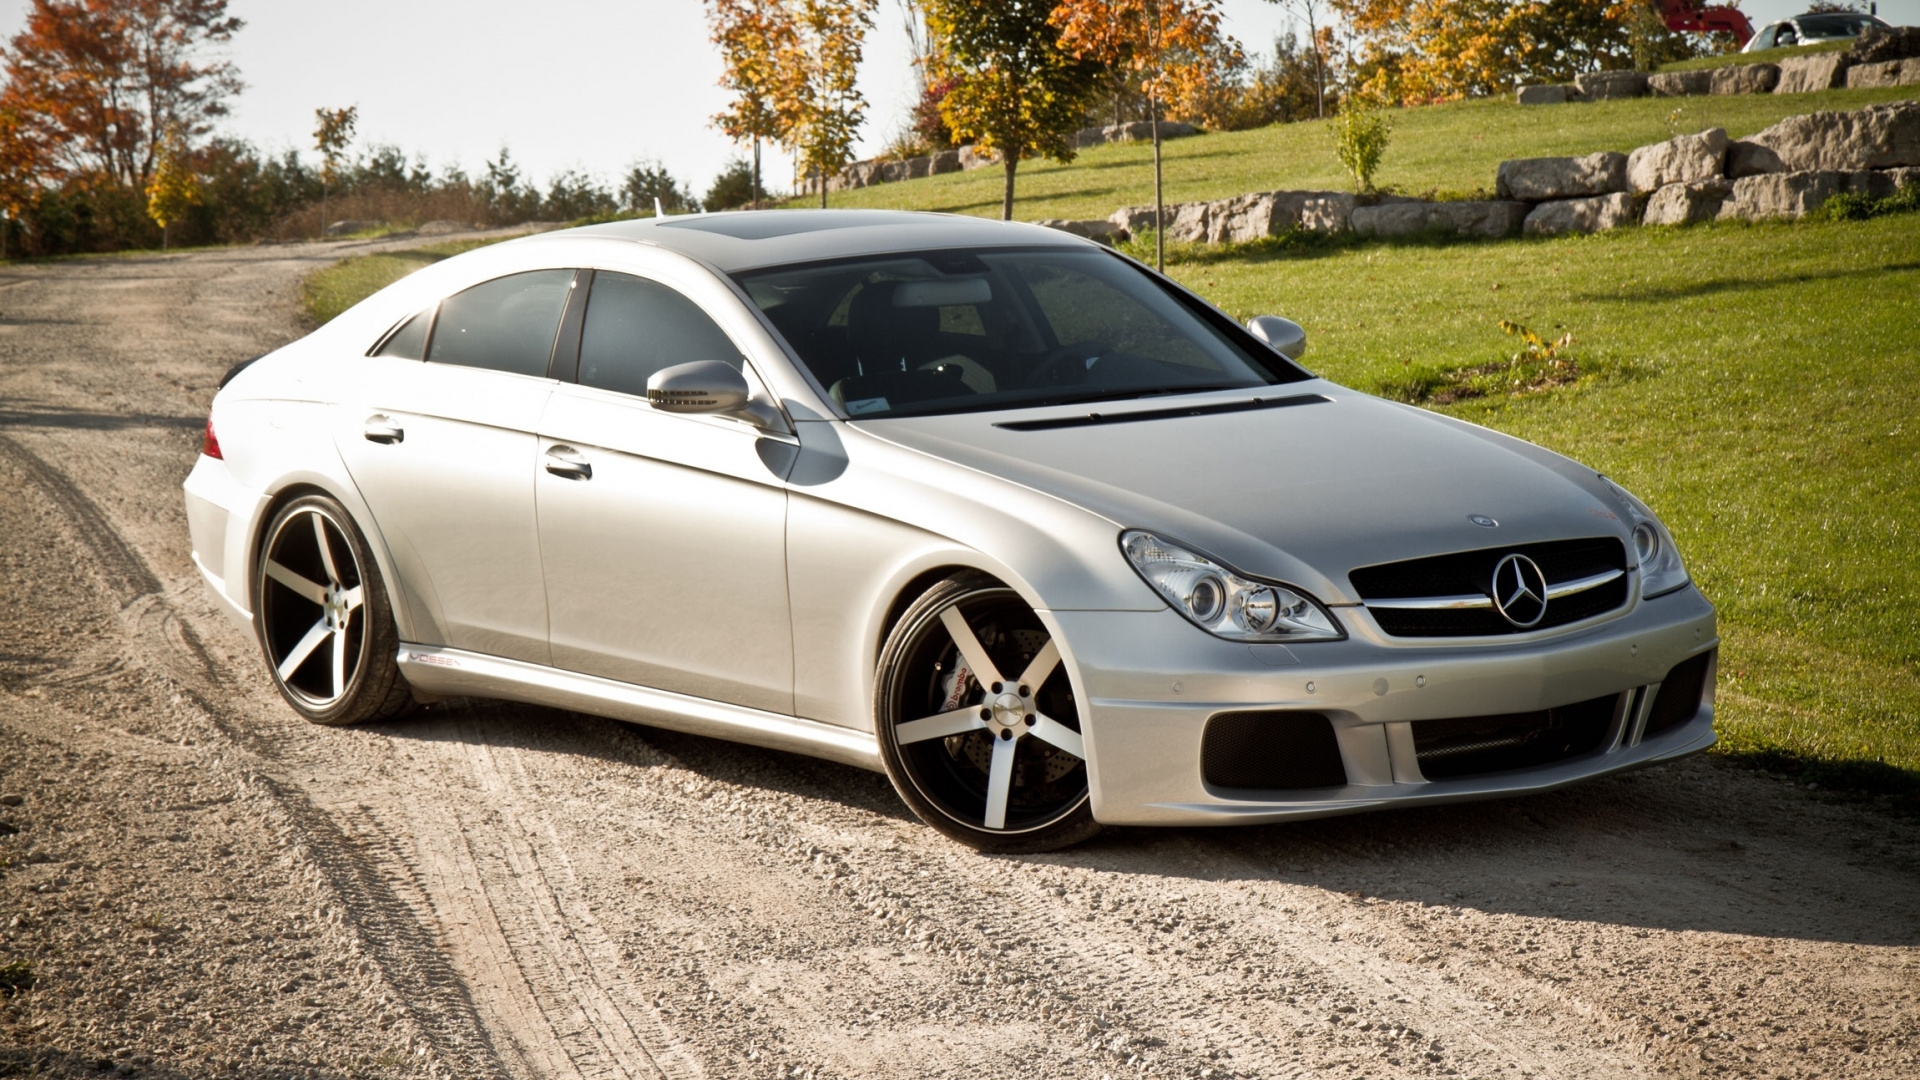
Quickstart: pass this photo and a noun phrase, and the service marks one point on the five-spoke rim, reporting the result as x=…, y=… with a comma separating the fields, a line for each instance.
x=312, y=605
x=992, y=751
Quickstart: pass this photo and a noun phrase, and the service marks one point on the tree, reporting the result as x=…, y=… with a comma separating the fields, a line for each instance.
x=819, y=105
x=1014, y=90
x=174, y=187
x=331, y=136
x=1173, y=47
x=1312, y=12
x=1421, y=51
x=649, y=183
x=733, y=188
x=97, y=84
x=753, y=36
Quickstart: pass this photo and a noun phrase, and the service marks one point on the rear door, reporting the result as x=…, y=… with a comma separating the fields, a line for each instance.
x=443, y=450
x=662, y=536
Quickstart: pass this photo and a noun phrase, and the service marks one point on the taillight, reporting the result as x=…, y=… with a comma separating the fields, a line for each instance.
x=211, y=447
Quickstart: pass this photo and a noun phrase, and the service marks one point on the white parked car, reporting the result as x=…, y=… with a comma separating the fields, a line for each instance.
x=1812, y=29
x=1004, y=513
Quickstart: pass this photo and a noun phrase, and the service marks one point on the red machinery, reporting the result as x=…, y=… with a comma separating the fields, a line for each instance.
x=1699, y=17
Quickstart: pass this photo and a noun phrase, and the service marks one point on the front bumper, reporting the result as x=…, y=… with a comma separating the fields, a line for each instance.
x=1151, y=681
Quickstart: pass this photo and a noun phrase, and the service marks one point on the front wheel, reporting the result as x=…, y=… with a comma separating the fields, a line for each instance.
x=324, y=622
x=977, y=722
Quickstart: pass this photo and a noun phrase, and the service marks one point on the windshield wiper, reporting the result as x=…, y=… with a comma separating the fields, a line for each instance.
x=1137, y=415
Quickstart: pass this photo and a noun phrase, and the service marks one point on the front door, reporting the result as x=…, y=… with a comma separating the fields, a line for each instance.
x=662, y=536
x=444, y=453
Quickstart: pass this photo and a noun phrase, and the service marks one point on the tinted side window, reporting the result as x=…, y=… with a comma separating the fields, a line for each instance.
x=636, y=327
x=410, y=341
x=507, y=324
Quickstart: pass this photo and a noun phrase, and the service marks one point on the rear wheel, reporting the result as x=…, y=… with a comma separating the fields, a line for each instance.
x=323, y=618
x=977, y=722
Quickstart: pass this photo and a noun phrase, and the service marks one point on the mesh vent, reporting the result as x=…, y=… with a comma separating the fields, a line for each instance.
x=1472, y=745
x=1470, y=573
x=1267, y=751
x=1680, y=696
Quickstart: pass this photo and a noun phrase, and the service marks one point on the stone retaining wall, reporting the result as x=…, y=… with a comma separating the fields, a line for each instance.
x=1886, y=59
x=1786, y=171
x=887, y=171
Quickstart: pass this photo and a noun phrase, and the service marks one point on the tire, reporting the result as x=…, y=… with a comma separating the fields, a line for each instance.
x=980, y=761
x=324, y=619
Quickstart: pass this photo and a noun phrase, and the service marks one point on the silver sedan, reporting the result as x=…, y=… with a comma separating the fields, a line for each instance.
x=1005, y=514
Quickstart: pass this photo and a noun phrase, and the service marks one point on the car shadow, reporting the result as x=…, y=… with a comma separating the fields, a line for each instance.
x=1700, y=845
x=75, y=419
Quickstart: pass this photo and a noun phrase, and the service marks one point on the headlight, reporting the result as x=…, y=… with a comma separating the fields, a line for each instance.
x=1222, y=602
x=1661, y=570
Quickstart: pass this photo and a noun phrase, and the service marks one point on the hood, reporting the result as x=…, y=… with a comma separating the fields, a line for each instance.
x=1302, y=493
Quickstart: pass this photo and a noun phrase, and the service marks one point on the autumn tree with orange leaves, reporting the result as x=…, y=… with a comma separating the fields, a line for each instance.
x=821, y=109
x=753, y=36
x=1174, y=48
x=1416, y=52
x=96, y=84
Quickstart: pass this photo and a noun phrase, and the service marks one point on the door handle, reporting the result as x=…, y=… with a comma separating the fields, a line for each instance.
x=382, y=429
x=566, y=462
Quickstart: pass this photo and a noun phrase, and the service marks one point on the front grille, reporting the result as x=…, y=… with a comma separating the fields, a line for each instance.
x=1269, y=751
x=1681, y=693
x=1470, y=573
x=1473, y=745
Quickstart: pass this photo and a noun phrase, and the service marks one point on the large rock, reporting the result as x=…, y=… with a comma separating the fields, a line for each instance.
x=1541, y=179
x=1390, y=219
x=1681, y=83
x=946, y=161
x=1879, y=44
x=1581, y=215
x=1684, y=204
x=1105, y=232
x=1493, y=218
x=1685, y=159
x=1820, y=71
x=1138, y=131
x=1250, y=217
x=972, y=157
x=344, y=228
x=1745, y=79
x=1547, y=95
x=1188, y=223
x=1326, y=211
x=1886, y=73
x=1487, y=219
x=1880, y=183
x=1607, y=85
x=1876, y=137
x=1778, y=195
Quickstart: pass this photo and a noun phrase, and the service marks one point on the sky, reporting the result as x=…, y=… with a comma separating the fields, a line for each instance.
x=593, y=85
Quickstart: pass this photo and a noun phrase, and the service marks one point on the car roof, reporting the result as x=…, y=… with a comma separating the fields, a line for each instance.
x=746, y=240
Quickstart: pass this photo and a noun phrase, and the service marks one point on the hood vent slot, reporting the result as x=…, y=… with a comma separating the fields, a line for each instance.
x=1093, y=418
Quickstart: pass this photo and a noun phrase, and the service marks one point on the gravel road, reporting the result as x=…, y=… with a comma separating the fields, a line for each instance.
x=204, y=886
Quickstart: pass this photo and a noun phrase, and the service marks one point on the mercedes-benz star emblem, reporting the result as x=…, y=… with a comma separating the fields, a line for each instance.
x=1482, y=520
x=1520, y=591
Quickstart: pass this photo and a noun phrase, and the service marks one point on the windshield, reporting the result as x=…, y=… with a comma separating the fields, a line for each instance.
x=961, y=331
x=1834, y=25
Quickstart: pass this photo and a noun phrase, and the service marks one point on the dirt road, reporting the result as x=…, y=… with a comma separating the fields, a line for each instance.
x=205, y=886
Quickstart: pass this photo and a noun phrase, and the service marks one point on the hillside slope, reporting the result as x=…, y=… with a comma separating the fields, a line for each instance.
x=1446, y=148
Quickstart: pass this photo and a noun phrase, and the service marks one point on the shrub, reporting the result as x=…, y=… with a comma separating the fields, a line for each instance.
x=1858, y=206
x=1360, y=140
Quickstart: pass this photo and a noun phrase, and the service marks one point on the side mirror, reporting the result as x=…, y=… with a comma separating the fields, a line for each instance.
x=1288, y=338
x=709, y=387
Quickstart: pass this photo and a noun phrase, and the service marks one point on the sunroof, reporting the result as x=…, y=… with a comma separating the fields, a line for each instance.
x=767, y=225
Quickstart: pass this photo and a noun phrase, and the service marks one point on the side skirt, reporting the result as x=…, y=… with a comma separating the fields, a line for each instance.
x=454, y=673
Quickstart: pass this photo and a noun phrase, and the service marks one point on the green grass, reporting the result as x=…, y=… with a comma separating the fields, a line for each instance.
x=326, y=293
x=1449, y=149
x=1754, y=383
x=1761, y=56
